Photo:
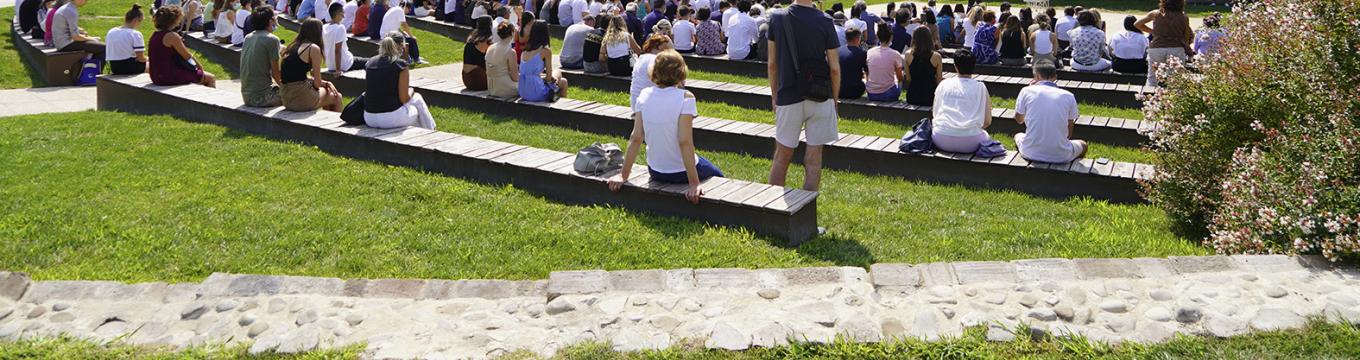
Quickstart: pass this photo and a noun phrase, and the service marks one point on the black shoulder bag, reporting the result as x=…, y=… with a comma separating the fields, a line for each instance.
x=815, y=78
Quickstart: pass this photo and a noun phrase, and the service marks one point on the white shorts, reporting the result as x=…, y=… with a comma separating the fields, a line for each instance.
x=818, y=118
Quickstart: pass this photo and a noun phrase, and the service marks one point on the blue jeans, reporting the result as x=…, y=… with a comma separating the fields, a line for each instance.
x=705, y=168
x=412, y=49
x=892, y=94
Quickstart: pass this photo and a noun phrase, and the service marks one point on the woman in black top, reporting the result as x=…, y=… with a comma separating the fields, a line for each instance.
x=925, y=68
x=302, y=57
x=474, y=55
x=1013, y=43
x=388, y=99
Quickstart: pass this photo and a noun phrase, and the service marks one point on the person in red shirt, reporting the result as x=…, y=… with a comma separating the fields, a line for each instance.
x=361, y=18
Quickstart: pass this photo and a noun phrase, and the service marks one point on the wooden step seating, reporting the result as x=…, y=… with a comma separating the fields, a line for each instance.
x=1103, y=130
x=1103, y=93
x=56, y=68
x=786, y=214
x=358, y=44
x=720, y=63
x=1099, y=179
x=222, y=54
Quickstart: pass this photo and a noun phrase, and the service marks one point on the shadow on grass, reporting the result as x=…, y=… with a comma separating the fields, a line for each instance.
x=34, y=79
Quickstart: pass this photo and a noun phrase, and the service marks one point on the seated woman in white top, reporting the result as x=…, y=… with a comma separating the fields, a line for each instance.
x=125, y=50
x=1043, y=41
x=962, y=109
x=664, y=119
x=642, y=76
x=1130, y=48
x=224, y=23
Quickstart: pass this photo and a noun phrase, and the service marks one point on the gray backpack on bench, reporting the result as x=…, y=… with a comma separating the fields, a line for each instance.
x=598, y=159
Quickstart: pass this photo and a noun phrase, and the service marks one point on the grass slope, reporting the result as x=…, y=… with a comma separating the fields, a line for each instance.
x=1317, y=341
x=113, y=196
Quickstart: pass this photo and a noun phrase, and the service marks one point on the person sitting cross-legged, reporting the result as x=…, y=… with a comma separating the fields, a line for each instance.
x=1048, y=114
x=388, y=99
x=664, y=119
x=962, y=110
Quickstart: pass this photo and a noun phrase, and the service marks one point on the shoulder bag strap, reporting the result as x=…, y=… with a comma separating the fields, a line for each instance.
x=787, y=39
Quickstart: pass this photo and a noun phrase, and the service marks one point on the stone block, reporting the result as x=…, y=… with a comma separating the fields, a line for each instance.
x=1045, y=270
x=1267, y=263
x=771, y=279
x=638, y=280
x=814, y=276
x=394, y=288
x=1154, y=268
x=577, y=282
x=354, y=287
x=44, y=291
x=1107, y=268
x=439, y=289
x=248, y=285
x=938, y=274
x=13, y=285
x=1315, y=262
x=1200, y=264
x=895, y=275
x=308, y=285
x=973, y=272
x=724, y=278
x=680, y=279
x=491, y=289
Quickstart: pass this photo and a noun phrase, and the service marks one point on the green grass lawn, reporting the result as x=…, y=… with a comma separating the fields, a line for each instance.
x=1317, y=341
x=133, y=198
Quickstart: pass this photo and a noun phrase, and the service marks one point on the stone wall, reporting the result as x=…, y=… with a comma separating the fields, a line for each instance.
x=1147, y=300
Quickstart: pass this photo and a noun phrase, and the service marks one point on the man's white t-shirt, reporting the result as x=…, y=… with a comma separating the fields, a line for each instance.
x=580, y=7
x=123, y=43
x=323, y=10
x=960, y=107
x=351, y=8
x=1065, y=24
x=335, y=35
x=727, y=18
x=740, y=35
x=595, y=8
x=1047, y=110
x=1129, y=45
x=683, y=34
x=392, y=20
x=564, y=13
x=661, y=109
x=238, y=32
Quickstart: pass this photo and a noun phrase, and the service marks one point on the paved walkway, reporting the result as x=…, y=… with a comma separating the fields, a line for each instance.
x=46, y=100
x=1146, y=300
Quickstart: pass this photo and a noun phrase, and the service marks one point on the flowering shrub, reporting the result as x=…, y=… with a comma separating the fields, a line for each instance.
x=1258, y=150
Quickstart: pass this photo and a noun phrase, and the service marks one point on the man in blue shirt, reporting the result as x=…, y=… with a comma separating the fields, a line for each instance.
x=854, y=65
x=658, y=13
x=375, y=19
x=305, y=10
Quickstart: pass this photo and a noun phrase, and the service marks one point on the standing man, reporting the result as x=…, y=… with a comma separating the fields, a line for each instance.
x=805, y=75
x=1048, y=114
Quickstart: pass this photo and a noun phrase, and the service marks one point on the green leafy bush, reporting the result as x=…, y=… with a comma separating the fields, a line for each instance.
x=1258, y=153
